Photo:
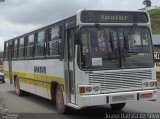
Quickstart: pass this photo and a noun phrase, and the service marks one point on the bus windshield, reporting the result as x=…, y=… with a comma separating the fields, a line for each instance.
x=115, y=47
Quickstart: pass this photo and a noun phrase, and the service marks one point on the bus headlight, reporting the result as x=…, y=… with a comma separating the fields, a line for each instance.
x=88, y=89
x=152, y=84
x=145, y=84
x=149, y=84
x=96, y=88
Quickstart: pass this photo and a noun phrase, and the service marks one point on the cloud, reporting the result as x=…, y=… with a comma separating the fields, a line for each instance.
x=123, y=4
x=48, y=11
x=9, y=30
x=42, y=11
x=20, y=16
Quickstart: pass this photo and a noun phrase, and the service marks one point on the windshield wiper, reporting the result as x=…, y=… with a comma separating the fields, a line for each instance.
x=98, y=27
x=131, y=29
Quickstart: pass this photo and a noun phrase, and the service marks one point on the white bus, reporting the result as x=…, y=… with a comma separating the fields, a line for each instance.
x=93, y=58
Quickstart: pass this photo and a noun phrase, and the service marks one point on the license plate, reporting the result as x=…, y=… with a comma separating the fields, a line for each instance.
x=123, y=98
x=146, y=95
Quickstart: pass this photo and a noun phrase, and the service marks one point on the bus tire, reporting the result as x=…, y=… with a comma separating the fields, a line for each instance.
x=19, y=92
x=53, y=91
x=61, y=107
x=118, y=106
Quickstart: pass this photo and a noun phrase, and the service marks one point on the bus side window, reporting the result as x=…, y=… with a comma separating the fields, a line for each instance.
x=14, y=51
x=29, y=46
x=85, y=42
x=6, y=51
x=40, y=44
x=21, y=48
x=54, y=41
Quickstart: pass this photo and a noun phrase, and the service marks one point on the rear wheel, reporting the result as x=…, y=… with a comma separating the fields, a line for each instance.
x=19, y=92
x=61, y=107
x=118, y=106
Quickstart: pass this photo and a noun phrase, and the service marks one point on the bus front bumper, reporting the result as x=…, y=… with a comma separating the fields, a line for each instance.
x=113, y=98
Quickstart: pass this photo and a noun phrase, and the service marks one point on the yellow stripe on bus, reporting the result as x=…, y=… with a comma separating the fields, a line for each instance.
x=60, y=80
x=29, y=76
x=36, y=79
x=6, y=72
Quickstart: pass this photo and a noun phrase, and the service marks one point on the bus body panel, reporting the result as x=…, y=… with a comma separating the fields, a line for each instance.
x=104, y=99
x=33, y=77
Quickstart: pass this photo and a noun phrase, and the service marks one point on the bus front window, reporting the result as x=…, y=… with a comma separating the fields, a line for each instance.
x=115, y=48
x=139, y=49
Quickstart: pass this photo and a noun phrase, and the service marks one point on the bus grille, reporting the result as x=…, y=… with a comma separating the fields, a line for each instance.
x=120, y=81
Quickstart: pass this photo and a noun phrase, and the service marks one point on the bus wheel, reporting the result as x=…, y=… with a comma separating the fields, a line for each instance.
x=118, y=106
x=17, y=87
x=61, y=107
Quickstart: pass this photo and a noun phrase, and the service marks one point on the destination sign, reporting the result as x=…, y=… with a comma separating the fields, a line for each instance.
x=113, y=17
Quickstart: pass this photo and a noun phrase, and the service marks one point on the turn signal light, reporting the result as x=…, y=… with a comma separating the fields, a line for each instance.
x=82, y=89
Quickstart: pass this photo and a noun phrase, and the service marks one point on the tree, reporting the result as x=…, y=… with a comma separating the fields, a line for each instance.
x=147, y=3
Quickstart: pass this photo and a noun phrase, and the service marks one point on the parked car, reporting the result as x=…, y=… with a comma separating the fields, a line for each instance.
x=2, y=78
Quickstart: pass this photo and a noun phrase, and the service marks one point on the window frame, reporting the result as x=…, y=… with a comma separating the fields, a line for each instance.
x=49, y=40
x=27, y=45
x=14, y=49
x=6, y=50
x=35, y=44
x=19, y=48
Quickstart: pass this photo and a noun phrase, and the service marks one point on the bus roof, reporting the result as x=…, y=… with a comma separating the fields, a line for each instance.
x=78, y=12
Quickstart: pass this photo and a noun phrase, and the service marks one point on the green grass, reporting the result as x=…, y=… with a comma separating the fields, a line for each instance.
x=155, y=20
x=154, y=11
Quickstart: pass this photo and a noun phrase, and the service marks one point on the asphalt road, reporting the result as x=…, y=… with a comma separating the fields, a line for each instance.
x=40, y=108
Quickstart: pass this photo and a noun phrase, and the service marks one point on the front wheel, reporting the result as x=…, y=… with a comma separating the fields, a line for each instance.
x=118, y=106
x=61, y=107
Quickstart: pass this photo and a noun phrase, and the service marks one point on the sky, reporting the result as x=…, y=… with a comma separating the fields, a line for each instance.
x=21, y=16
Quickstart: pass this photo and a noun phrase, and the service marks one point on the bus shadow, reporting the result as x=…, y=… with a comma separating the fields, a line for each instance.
x=95, y=112
x=37, y=100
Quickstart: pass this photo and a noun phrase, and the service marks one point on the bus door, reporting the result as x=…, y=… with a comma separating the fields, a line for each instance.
x=10, y=63
x=69, y=66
